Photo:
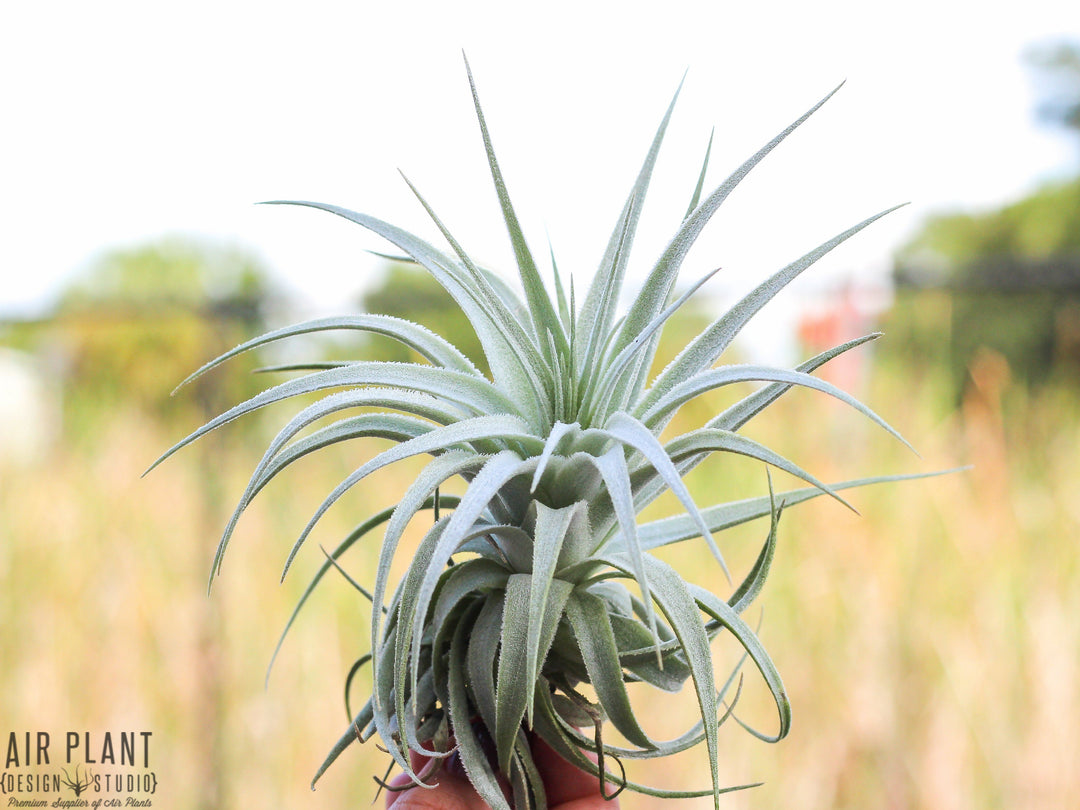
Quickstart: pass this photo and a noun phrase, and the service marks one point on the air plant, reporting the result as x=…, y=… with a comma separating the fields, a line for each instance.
x=539, y=578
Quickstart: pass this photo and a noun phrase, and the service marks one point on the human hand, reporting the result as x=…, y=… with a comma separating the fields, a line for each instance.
x=567, y=787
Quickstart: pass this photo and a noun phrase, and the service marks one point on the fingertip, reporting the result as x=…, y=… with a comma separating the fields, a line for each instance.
x=567, y=786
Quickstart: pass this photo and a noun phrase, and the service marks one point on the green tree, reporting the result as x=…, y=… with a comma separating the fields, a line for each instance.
x=1013, y=279
x=1010, y=277
x=140, y=319
x=1032, y=243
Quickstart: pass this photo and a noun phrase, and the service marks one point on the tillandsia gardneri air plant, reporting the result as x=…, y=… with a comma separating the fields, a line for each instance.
x=538, y=578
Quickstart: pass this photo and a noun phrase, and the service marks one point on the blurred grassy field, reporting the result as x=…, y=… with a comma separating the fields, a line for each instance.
x=930, y=645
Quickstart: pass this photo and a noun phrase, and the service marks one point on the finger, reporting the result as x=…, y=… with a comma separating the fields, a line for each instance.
x=595, y=803
x=567, y=786
x=402, y=779
x=452, y=793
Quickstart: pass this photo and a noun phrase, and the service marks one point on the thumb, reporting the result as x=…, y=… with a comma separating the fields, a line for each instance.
x=452, y=791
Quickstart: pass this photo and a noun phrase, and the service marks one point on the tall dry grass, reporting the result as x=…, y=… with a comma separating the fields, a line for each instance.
x=929, y=645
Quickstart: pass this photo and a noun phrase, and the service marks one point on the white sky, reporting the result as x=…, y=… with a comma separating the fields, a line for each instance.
x=124, y=121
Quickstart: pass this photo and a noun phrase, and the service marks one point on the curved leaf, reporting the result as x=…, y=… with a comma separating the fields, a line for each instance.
x=475, y=762
x=678, y=528
x=744, y=410
x=654, y=293
x=726, y=375
x=711, y=440
x=597, y=309
x=725, y=614
x=703, y=351
x=542, y=313
x=491, y=478
x=589, y=617
x=631, y=432
x=675, y=601
x=478, y=395
x=506, y=364
x=437, y=440
x=433, y=475
x=428, y=344
x=355, y=535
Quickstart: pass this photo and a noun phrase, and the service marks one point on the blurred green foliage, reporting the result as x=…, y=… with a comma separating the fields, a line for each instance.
x=140, y=319
x=1005, y=281
x=171, y=273
x=1032, y=243
x=1013, y=283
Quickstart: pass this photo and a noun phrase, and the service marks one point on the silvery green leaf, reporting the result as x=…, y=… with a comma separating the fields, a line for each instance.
x=555, y=437
x=543, y=316
x=514, y=685
x=431, y=477
x=526, y=346
x=680, y=608
x=710, y=440
x=483, y=647
x=596, y=311
x=533, y=780
x=696, y=198
x=560, y=294
x=475, y=762
x=612, y=467
x=751, y=586
x=566, y=746
x=551, y=529
x=631, y=432
x=407, y=617
x=678, y=528
x=593, y=337
x=688, y=739
x=478, y=395
x=654, y=293
x=745, y=409
x=506, y=364
x=392, y=426
x=613, y=385
x=703, y=351
x=419, y=338
x=592, y=627
x=726, y=375
x=369, y=525
x=637, y=653
x=491, y=478
x=726, y=615
x=467, y=578
x=437, y=440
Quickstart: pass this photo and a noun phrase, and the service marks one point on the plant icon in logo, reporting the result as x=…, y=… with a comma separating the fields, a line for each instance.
x=78, y=784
